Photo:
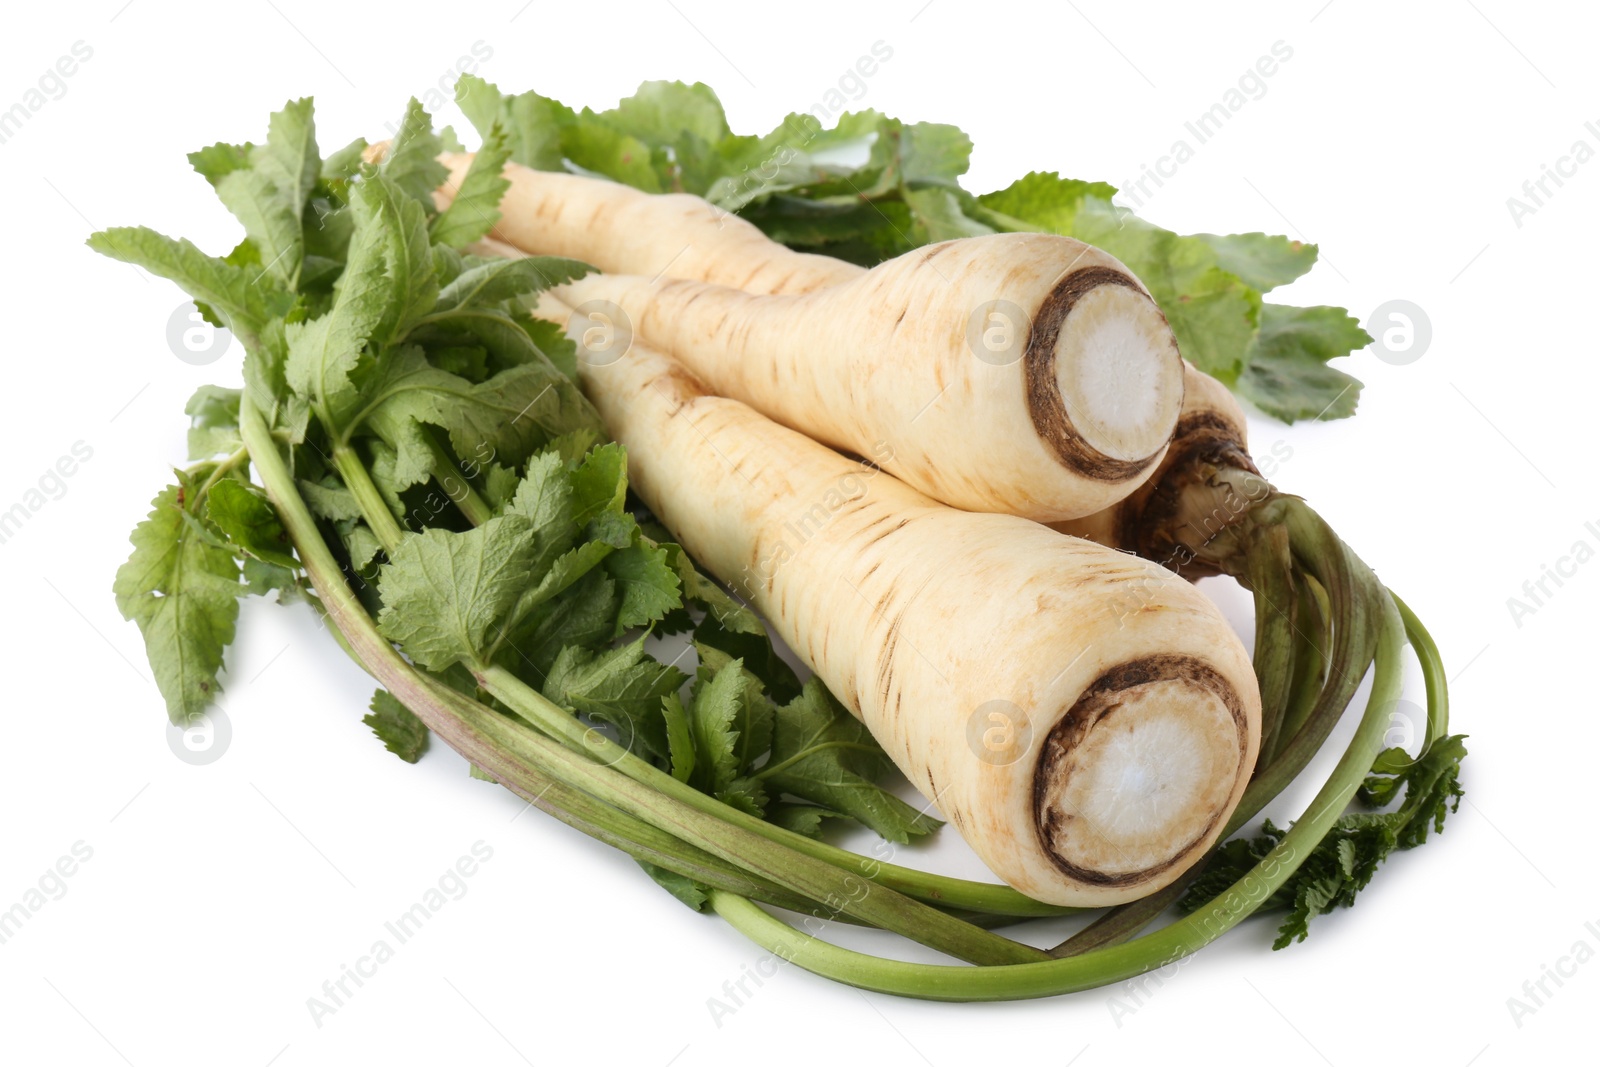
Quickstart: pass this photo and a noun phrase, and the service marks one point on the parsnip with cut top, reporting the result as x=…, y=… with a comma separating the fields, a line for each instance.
x=1021, y=373
x=1089, y=753
x=683, y=236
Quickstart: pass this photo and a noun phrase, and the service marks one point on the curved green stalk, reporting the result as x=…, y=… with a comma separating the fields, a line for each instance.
x=1165, y=947
x=1434, y=680
x=1270, y=573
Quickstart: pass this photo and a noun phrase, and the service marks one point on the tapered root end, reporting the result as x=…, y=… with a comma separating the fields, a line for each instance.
x=1105, y=380
x=1135, y=781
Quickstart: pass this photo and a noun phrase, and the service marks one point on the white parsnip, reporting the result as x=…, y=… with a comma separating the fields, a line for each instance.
x=1023, y=373
x=624, y=231
x=1210, y=425
x=1089, y=745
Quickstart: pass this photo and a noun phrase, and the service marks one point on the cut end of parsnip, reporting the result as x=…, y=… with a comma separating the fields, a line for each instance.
x=1105, y=377
x=1133, y=782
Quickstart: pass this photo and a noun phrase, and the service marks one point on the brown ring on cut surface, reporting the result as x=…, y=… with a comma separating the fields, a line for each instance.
x=1095, y=706
x=1045, y=406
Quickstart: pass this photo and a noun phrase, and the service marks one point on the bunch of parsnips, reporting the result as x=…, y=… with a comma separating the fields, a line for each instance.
x=494, y=516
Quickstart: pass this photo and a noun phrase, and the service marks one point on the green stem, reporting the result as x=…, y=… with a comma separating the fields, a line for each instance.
x=1312, y=644
x=447, y=472
x=1269, y=568
x=216, y=475
x=374, y=508
x=1117, y=962
x=1124, y=921
x=1351, y=611
x=1433, y=674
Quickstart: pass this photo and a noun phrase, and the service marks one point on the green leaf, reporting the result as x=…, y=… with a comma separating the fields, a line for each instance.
x=544, y=499
x=397, y=727
x=532, y=122
x=509, y=416
x=214, y=162
x=244, y=301
x=500, y=280
x=447, y=596
x=344, y=163
x=603, y=150
x=939, y=212
x=269, y=218
x=1043, y=200
x=481, y=101
x=270, y=195
x=684, y=125
x=291, y=159
x=727, y=720
x=213, y=421
x=647, y=582
x=600, y=483
x=933, y=152
x=386, y=287
x=689, y=892
x=1261, y=261
x=412, y=162
x=183, y=592
x=799, y=155
x=1213, y=314
x=660, y=111
x=261, y=578
x=333, y=502
x=249, y=521
x=680, y=738
x=583, y=616
x=475, y=207
x=623, y=687
x=1287, y=375
x=804, y=819
x=400, y=230
x=822, y=754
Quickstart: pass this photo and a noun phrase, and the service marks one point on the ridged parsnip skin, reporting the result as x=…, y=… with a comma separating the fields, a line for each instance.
x=924, y=620
x=624, y=231
x=1068, y=418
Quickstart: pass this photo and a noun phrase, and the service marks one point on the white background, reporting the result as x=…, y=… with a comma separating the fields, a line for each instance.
x=219, y=898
